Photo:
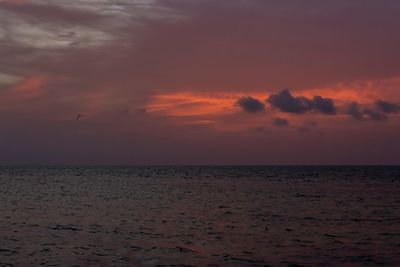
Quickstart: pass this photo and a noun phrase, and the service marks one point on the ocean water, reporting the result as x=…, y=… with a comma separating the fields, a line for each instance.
x=200, y=216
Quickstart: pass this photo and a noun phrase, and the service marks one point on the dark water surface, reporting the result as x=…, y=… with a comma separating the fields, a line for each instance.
x=200, y=216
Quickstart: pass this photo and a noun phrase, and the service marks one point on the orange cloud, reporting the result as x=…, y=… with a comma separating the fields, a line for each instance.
x=214, y=108
x=182, y=104
x=363, y=92
x=191, y=103
x=31, y=87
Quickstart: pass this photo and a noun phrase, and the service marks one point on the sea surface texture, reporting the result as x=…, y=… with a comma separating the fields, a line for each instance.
x=200, y=216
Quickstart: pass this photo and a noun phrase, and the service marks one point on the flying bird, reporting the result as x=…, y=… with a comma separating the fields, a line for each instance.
x=79, y=116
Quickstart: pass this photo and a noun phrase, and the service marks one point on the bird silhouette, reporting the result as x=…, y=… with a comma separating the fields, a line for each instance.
x=79, y=116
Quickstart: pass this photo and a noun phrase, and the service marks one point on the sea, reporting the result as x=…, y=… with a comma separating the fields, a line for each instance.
x=200, y=216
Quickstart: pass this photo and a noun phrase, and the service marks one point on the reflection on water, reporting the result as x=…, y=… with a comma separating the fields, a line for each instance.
x=200, y=216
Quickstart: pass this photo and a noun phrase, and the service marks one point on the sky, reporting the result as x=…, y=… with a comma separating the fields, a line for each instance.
x=199, y=82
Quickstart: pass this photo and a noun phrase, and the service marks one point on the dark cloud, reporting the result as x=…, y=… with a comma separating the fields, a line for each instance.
x=324, y=105
x=354, y=111
x=250, y=104
x=387, y=107
x=285, y=102
x=307, y=126
x=375, y=115
x=367, y=113
x=280, y=122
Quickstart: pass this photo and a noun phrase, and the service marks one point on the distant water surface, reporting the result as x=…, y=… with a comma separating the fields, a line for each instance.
x=200, y=216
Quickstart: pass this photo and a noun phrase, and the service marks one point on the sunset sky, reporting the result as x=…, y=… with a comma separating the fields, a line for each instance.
x=199, y=82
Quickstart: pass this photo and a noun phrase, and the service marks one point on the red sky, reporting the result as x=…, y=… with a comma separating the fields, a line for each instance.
x=199, y=82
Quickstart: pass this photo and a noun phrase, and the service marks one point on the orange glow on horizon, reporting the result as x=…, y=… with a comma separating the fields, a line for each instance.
x=183, y=104
x=192, y=103
x=215, y=108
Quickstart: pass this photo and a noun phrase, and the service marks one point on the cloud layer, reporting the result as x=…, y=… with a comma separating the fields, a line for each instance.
x=190, y=76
